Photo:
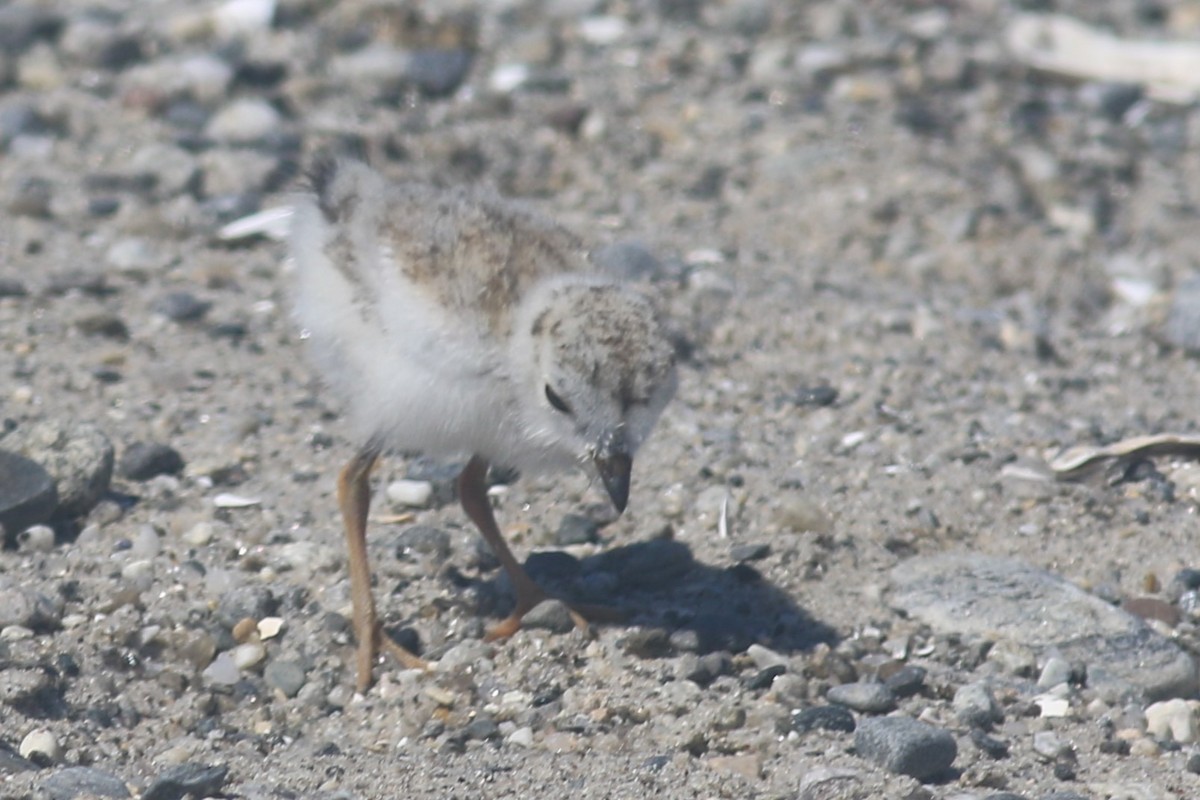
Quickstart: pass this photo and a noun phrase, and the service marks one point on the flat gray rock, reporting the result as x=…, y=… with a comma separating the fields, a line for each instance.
x=27, y=493
x=905, y=746
x=999, y=598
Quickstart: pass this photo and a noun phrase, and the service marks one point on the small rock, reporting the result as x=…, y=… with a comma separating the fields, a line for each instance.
x=438, y=72
x=1173, y=720
x=222, y=671
x=765, y=657
x=36, y=539
x=240, y=602
x=27, y=608
x=182, y=307
x=576, y=529
x=41, y=747
x=1049, y=745
x=70, y=783
x=1182, y=328
x=79, y=458
x=196, y=780
x=989, y=745
x=286, y=676
x=549, y=615
x=27, y=493
x=423, y=541
x=825, y=718
x=905, y=746
x=482, y=729
x=648, y=643
x=976, y=706
x=821, y=394
x=410, y=494
x=1055, y=671
x=244, y=120
x=741, y=553
x=906, y=681
x=867, y=697
x=142, y=461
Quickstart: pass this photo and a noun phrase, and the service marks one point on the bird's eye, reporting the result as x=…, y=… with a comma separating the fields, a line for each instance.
x=556, y=401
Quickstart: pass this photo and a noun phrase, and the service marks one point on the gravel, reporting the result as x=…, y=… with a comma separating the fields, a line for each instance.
x=902, y=269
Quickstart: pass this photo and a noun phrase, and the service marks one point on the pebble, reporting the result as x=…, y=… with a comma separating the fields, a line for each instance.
x=182, y=307
x=243, y=18
x=410, y=494
x=549, y=615
x=1049, y=745
x=981, y=597
x=182, y=780
x=438, y=72
x=1055, y=671
x=247, y=600
x=521, y=737
x=285, y=675
x=741, y=553
x=1182, y=327
x=27, y=493
x=1173, y=720
x=78, y=457
x=906, y=746
x=975, y=706
x=41, y=747
x=70, y=783
x=647, y=643
x=138, y=575
x=223, y=671
x=424, y=541
x=906, y=681
x=867, y=697
x=576, y=529
x=244, y=120
x=824, y=718
x=143, y=461
x=765, y=657
x=36, y=539
x=27, y=608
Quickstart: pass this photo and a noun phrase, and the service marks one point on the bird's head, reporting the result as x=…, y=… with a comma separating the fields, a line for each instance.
x=603, y=369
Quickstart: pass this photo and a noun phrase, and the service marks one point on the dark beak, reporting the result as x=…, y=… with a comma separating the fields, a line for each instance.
x=614, y=465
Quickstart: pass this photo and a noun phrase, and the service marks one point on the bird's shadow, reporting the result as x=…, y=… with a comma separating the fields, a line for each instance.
x=658, y=583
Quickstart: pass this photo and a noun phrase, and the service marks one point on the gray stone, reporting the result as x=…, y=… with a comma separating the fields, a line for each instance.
x=1182, y=328
x=27, y=494
x=906, y=746
x=182, y=306
x=72, y=782
x=26, y=607
x=142, y=461
x=197, y=780
x=438, y=72
x=285, y=675
x=576, y=529
x=631, y=261
x=242, y=602
x=976, y=706
x=823, y=718
x=868, y=697
x=986, y=597
x=78, y=457
x=549, y=615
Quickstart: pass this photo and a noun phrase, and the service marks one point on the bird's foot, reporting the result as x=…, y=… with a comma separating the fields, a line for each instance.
x=369, y=648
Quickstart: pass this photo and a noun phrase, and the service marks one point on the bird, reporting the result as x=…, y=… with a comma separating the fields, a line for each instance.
x=459, y=324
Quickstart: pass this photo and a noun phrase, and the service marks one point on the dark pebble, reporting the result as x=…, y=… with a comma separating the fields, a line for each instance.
x=142, y=461
x=444, y=478
x=240, y=602
x=763, y=678
x=648, y=643
x=1117, y=747
x=821, y=394
x=17, y=119
x=866, y=697
x=197, y=780
x=94, y=284
x=286, y=676
x=630, y=261
x=1193, y=763
x=121, y=52
x=79, y=459
x=72, y=782
x=549, y=615
x=103, y=206
x=27, y=494
x=905, y=746
x=482, y=729
x=11, y=762
x=182, y=306
x=423, y=541
x=1065, y=771
x=576, y=529
x=823, y=718
x=1189, y=578
x=11, y=287
x=21, y=24
x=989, y=745
x=906, y=681
x=750, y=552
x=107, y=325
x=438, y=72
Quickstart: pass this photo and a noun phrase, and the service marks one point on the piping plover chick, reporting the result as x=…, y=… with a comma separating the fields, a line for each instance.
x=458, y=324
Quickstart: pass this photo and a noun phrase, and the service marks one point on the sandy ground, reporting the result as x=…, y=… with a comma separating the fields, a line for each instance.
x=898, y=261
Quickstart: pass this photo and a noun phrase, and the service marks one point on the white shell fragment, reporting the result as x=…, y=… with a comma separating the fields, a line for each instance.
x=270, y=222
x=226, y=500
x=1079, y=462
x=1170, y=71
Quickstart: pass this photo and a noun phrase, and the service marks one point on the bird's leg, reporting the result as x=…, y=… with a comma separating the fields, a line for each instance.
x=354, y=499
x=472, y=492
